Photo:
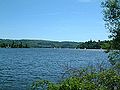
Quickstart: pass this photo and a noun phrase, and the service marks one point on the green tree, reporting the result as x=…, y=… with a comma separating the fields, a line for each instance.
x=111, y=12
x=20, y=45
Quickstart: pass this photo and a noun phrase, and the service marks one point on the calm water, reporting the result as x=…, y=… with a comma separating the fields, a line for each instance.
x=20, y=67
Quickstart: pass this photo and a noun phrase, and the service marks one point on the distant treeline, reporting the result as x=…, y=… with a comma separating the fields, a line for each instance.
x=95, y=45
x=8, y=43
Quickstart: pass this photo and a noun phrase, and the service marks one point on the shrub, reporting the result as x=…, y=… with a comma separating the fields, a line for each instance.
x=105, y=80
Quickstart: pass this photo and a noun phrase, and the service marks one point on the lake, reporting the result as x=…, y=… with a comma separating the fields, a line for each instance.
x=20, y=67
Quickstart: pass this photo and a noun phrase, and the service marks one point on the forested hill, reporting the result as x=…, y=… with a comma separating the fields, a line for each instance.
x=8, y=43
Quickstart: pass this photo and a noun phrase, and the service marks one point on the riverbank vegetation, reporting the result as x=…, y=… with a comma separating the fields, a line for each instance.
x=84, y=80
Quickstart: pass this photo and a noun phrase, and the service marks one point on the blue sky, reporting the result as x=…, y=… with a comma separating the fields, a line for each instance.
x=62, y=20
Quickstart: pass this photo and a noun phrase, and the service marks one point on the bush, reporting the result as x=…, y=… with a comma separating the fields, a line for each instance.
x=105, y=80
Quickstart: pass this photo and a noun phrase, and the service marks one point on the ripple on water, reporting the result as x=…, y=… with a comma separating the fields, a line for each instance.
x=20, y=67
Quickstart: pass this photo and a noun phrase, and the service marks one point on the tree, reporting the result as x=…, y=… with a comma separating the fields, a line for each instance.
x=111, y=12
x=20, y=45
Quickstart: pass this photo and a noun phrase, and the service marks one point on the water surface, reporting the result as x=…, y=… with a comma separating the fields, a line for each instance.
x=20, y=67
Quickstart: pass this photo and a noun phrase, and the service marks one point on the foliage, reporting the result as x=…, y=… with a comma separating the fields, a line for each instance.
x=42, y=83
x=7, y=43
x=111, y=12
x=90, y=45
x=114, y=57
x=106, y=45
x=105, y=80
x=12, y=44
x=95, y=44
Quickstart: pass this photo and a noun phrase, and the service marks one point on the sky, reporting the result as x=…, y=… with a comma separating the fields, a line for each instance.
x=58, y=20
